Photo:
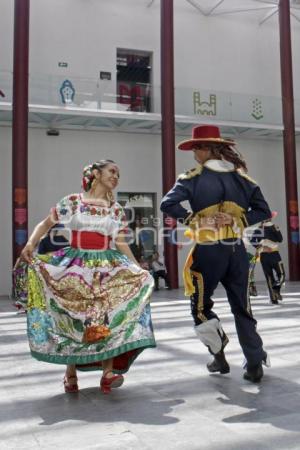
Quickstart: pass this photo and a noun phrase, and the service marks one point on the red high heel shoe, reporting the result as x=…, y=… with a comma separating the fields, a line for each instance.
x=70, y=387
x=106, y=384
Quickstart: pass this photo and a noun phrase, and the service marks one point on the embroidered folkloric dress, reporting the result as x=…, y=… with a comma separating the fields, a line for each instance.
x=87, y=303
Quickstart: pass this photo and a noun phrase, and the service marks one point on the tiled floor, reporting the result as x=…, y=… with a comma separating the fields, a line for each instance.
x=168, y=401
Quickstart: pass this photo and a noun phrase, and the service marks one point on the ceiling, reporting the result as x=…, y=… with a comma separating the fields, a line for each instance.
x=264, y=9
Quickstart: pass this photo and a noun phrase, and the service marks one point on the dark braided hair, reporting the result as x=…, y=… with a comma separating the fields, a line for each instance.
x=227, y=152
x=88, y=176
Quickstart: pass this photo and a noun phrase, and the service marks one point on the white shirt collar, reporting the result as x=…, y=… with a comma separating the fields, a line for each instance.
x=219, y=165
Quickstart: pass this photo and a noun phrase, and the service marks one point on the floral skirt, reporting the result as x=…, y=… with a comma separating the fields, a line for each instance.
x=85, y=306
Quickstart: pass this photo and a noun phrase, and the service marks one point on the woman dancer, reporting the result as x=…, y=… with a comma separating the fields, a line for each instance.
x=88, y=304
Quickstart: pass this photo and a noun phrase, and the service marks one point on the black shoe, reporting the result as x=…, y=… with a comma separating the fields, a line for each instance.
x=274, y=302
x=254, y=374
x=279, y=296
x=219, y=364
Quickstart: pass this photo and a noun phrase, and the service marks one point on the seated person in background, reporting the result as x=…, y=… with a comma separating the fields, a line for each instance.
x=159, y=271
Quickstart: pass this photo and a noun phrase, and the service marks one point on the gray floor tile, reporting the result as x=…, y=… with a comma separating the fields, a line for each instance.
x=168, y=401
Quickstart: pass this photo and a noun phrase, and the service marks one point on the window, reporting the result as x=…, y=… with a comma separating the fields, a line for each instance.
x=134, y=80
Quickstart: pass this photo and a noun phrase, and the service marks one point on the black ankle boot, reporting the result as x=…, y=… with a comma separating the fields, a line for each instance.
x=254, y=374
x=219, y=364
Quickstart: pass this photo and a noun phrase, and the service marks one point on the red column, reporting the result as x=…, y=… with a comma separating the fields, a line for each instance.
x=290, y=162
x=20, y=126
x=168, y=129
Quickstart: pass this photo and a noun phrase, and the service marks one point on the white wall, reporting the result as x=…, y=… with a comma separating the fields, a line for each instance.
x=5, y=210
x=56, y=164
x=6, y=31
x=226, y=53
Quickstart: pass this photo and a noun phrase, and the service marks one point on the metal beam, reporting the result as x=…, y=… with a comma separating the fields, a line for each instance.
x=272, y=2
x=235, y=11
x=295, y=17
x=268, y=16
x=73, y=120
x=107, y=123
x=38, y=119
x=215, y=7
x=90, y=122
x=195, y=5
x=140, y=124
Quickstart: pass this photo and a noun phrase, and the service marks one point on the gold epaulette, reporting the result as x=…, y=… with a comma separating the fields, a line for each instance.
x=244, y=175
x=191, y=173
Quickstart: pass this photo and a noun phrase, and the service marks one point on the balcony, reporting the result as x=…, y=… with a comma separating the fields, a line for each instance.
x=56, y=102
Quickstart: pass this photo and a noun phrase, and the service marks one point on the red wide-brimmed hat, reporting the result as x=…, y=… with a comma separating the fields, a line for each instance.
x=204, y=134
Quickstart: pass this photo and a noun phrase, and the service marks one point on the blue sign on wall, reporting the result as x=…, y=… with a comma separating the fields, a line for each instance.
x=67, y=92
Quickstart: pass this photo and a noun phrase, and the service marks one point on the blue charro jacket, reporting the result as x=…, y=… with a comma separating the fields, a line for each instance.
x=216, y=185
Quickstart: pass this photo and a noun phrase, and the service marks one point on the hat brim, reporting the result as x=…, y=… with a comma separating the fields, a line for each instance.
x=190, y=143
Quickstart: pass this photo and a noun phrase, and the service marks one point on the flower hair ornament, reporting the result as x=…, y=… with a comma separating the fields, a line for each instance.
x=88, y=177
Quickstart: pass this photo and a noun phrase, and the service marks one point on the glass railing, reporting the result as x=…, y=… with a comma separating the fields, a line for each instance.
x=85, y=93
x=92, y=94
x=105, y=95
x=228, y=107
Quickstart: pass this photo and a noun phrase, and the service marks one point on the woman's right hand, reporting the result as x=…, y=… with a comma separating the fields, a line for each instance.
x=27, y=253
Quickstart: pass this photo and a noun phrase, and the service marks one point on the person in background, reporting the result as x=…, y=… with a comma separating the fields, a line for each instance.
x=159, y=271
x=266, y=239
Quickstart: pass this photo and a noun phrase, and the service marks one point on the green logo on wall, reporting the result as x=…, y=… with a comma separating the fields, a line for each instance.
x=257, y=109
x=205, y=108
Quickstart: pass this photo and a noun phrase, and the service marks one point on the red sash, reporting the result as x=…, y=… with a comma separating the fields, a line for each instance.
x=90, y=240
